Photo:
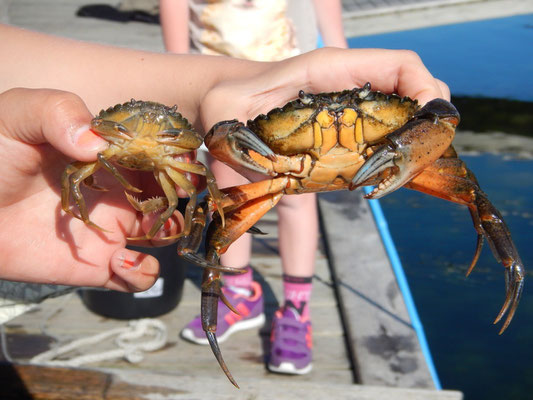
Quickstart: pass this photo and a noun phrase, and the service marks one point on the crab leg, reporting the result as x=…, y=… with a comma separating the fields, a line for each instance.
x=244, y=206
x=450, y=179
x=71, y=179
x=218, y=240
x=179, y=179
x=234, y=198
x=212, y=188
x=167, y=184
x=115, y=172
x=78, y=172
x=187, y=246
x=149, y=205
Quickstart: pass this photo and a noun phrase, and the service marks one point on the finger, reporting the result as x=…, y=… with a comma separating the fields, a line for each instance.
x=389, y=71
x=132, y=271
x=144, y=223
x=324, y=70
x=444, y=89
x=151, y=188
x=171, y=227
x=37, y=116
x=414, y=79
x=397, y=71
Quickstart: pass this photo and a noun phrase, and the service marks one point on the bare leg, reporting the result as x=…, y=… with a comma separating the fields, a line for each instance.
x=291, y=335
x=298, y=234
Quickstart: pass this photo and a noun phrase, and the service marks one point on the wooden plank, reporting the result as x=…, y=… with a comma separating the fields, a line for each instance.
x=385, y=348
x=245, y=352
x=399, y=17
x=53, y=383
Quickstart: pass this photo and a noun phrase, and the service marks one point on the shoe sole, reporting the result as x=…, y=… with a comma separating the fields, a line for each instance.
x=290, y=369
x=255, y=322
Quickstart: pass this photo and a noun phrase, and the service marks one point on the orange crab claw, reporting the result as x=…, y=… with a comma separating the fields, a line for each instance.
x=450, y=179
x=231, y=142
x=411, y=148
x=489, y=221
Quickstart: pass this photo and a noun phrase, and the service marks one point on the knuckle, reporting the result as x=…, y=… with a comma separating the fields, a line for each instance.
x=411, y=56
x=58, y=102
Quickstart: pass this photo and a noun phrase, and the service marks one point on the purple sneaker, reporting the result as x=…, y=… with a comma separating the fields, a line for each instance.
x=251, y=309
x=291, y=343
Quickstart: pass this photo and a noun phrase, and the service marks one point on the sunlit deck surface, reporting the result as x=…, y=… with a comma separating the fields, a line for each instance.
x=364, y=344
x=379, y=349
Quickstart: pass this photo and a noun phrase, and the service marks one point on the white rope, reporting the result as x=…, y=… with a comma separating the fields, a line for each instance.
x=10, y=309
x=128, y=340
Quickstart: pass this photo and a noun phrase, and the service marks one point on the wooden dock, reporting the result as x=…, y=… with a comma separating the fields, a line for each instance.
x=371, y=17
x=244, y=353
x=380, y=335
x=386, y=362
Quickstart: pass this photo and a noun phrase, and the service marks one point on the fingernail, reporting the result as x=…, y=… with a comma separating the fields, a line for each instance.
x=87, y=139
x=168, y=225
x=128, y=262
x=166, y=230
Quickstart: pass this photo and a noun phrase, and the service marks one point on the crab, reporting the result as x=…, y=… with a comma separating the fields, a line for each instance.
x=334, y=141
x=144, y=136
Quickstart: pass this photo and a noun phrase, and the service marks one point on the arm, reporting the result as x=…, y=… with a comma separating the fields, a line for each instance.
x=40, y=130
x=105, y=75
x=174, y=18
x=329, y=18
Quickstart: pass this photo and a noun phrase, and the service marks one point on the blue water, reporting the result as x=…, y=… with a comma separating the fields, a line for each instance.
x=491, y=58
x=436, y=240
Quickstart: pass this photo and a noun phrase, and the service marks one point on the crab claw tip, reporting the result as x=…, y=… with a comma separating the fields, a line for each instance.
x=381, y=160
x=212, y=339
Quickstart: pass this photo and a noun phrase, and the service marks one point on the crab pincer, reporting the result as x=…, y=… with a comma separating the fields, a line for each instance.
x=411, y=148
x=413, y=157
x=234, y=141
x=211, y=279
x=490, y=224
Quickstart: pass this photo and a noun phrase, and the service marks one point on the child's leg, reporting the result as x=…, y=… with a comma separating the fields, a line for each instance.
x=298, y=242
x=291, y=338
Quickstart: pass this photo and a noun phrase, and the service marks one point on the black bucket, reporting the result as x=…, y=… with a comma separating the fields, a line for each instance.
x=160, y=299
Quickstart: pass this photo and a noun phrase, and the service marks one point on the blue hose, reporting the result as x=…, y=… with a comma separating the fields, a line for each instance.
x=383, y=228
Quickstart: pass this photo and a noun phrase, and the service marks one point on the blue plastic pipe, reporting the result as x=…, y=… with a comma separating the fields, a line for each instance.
x=386, y=237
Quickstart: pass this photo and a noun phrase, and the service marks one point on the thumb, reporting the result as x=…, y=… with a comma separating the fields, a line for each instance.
x=37, y=116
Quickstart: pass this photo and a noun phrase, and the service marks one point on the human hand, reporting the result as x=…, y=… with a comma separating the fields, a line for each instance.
x=323, y=70
x=40, y=132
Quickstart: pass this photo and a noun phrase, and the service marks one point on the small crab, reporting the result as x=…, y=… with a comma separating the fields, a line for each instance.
x=143, y=136
x=335, y=141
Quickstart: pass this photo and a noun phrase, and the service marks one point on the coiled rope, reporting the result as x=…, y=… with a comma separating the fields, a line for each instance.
x=140, y=336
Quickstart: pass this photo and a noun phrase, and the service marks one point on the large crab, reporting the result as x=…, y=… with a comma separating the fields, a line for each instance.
x=144, y=136
x=335, y=141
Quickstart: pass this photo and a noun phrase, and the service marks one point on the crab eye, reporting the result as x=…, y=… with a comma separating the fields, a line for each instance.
x=97, y=122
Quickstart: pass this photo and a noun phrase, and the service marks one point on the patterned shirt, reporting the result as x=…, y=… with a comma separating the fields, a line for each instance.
x=252, y=29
